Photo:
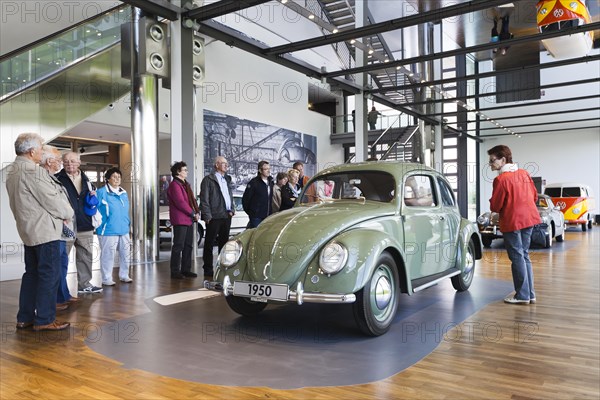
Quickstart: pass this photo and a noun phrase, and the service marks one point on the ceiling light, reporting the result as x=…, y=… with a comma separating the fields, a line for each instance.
x=371, y=51
x=311, y=16
x=335, y=30
x=353, y=41
x=284, y=1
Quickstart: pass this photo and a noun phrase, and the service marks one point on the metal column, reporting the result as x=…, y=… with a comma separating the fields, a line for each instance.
x=144, y=145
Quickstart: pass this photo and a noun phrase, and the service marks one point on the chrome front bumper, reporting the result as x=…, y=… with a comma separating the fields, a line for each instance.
x=298, y=296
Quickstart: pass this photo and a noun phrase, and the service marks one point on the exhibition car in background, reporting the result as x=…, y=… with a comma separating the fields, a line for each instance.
x=552, y=226
x=238, y=222
x=359, y=233
x=576, y=202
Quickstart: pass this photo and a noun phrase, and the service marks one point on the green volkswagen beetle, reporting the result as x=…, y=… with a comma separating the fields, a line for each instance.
x=359, y=233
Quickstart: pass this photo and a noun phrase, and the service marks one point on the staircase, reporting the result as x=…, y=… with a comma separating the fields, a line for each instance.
x=56, y=83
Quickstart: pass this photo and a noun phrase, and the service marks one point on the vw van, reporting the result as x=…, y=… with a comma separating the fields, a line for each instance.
x=576, y=202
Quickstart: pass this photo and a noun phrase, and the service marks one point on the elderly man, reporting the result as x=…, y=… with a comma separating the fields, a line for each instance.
x=78, y=186
x=217, y=208
x=51, y=162
x=39, y=208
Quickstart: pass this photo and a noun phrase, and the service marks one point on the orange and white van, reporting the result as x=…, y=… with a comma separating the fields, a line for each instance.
x=576, y=202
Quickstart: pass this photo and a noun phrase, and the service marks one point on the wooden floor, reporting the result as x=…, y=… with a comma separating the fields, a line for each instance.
x=547, y=350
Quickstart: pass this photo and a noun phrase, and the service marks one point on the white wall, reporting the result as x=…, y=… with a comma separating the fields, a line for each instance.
x=247, y=86
x=555, y=157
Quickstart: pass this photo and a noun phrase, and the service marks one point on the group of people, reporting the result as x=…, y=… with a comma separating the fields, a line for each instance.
x=262, y=197
x=51, y=206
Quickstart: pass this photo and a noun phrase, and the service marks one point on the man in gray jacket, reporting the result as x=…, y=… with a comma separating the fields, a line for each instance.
x=40, y=209
x=217, y=208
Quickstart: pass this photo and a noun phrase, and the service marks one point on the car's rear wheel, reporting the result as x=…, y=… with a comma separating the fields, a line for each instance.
x=376, y=304
x=486, y=241
x=463, y=281
x=561, y=237
x=590, y=224
x=244, y=306
x=548, y=241
x=584, y=226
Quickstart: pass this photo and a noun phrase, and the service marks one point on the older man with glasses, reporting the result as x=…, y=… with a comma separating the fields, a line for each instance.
x=217, y=209
x=39, y=208
x=78, y=186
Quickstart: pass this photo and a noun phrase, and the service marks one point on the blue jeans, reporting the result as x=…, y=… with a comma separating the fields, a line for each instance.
x=37, y=299
x=517, y=245
x=63, y=294
x=253, y=222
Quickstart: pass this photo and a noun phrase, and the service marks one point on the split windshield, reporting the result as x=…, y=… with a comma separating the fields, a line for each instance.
x=369, y=185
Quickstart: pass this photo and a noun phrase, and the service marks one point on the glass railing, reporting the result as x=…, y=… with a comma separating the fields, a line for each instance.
x=346, y=123
x=30, y=65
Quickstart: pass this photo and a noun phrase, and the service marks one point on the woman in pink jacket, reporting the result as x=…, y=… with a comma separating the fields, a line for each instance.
x=514, y=197
x=183, y=211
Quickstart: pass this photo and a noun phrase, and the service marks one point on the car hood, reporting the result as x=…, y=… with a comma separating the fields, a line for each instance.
x=283, y=245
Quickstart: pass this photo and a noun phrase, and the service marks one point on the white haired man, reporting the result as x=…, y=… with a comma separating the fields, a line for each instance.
x=78, y=186
x=39, y=208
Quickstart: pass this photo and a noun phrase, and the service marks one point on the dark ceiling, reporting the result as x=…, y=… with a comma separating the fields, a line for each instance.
x=466, y=23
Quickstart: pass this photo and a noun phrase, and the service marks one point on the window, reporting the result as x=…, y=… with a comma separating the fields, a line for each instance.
x=446, y=193
x=418, y=191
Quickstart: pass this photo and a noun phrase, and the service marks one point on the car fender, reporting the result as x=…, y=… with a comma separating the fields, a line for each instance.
x=364, y=248
x=467, y=232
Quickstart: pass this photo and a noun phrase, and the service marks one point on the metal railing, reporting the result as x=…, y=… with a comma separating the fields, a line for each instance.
x=34, y=63
x=396, y=144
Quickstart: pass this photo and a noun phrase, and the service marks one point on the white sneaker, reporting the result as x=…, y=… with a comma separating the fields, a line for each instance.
x=108, y=283
x=514, y=300
x=126, y=279
x=532, y=301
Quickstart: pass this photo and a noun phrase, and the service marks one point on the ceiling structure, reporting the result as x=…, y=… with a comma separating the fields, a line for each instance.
x=318, y=38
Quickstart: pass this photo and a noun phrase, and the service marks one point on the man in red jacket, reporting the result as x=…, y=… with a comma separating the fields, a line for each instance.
x=514, y=197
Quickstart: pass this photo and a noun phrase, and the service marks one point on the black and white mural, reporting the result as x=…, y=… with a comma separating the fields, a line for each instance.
x=244, y=143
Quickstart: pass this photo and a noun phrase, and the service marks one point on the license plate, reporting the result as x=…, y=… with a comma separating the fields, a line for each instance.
x=260, y=291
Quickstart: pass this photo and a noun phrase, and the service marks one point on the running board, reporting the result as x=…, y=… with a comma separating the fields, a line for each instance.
x=435, y=279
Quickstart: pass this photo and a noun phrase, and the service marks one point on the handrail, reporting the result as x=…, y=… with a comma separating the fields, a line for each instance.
x=385, y=131
x=37, y=62
x=396, y=143
x=60, y=32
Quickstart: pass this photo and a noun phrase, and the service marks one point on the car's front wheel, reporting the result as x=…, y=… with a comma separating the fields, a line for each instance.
x=244, y=306
x=376, y=304
x=462, y=281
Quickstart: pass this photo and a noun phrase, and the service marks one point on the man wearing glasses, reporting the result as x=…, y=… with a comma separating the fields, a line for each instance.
x=217, y=208
x=78, y=186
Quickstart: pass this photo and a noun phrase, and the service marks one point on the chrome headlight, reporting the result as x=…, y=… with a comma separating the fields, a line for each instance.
x=333, y=257
x=483, y=219
x=231, y=253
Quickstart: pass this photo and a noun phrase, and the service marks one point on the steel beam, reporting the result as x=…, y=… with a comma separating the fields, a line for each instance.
x=386, y=26
x=158, y=8
x=219, y=8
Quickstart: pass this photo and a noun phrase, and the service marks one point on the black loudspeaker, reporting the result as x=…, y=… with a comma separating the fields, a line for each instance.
x=198, y=61
x=154, y=47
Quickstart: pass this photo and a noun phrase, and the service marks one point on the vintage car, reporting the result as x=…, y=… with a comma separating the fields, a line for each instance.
x=575, y=200
x=552, y=226
x=359, y=233
x=238, y=222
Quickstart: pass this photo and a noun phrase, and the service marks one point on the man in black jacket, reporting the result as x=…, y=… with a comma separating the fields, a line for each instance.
x=216, y=208
x=76, y=182
x=258, y=195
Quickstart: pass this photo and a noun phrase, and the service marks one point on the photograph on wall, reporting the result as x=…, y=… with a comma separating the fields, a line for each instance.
x=244, y=143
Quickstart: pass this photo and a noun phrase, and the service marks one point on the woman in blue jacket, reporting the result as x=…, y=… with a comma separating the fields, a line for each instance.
x=113, y=233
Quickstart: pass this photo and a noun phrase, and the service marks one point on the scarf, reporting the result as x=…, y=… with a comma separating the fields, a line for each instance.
x=190, y=195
